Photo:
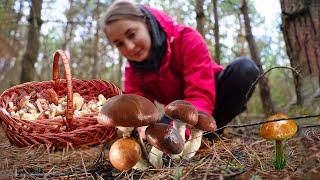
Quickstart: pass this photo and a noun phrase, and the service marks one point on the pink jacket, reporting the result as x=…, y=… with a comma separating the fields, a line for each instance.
x=187, y=71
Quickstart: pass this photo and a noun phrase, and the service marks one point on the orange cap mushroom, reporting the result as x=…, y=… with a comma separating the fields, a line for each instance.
x=278, y=130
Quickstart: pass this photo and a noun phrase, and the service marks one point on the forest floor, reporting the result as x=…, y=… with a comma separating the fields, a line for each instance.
x=236, y=154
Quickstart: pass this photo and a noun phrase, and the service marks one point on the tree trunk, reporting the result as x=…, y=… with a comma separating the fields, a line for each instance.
x=265, y=96
x=216, y=32
x=95, y=67
x=31, y=54
x=68, y=35
x=300, y=27
x=241, y=38
x=200, y=17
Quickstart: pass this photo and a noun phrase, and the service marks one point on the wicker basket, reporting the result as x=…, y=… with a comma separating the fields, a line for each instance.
x=58, y=132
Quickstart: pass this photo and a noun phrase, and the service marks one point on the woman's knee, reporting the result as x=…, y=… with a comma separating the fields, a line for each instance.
x=246, y=68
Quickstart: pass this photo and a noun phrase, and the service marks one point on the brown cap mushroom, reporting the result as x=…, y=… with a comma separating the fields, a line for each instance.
x=164, y=139
x=205, y=123
x=183, y=111
x=124, y=153
x=128, y=110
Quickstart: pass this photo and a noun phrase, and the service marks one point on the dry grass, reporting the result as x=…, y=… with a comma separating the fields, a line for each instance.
x=239, y=154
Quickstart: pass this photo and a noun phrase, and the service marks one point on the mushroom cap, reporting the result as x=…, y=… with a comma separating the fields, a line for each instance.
x=278, y=130
x=206, y=122
x=183, y=111
x=128, y=110
x=124, y=153
x=165, y=138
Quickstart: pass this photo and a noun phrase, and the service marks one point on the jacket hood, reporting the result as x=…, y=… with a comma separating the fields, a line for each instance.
x=165, y=21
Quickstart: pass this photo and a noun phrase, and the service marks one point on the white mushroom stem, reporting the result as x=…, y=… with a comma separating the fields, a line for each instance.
x=141, y=165
x=155, y=157
x=126, y=131
x=181, y=128
x=193, y=144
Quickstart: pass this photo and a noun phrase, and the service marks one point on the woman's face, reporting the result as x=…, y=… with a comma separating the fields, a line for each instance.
x=131, y=37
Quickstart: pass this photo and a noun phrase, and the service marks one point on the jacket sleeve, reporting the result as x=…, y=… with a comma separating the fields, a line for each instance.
x=133, y=83
x=198, y=71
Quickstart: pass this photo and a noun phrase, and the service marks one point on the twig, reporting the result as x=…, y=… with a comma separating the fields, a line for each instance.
x=207, y=169
x=225, y=147
x=85, y=169
x=46, y=174
x=263, y=74
x=263, y=122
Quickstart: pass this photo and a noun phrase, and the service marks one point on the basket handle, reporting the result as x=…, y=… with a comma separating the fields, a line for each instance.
x=67, y=73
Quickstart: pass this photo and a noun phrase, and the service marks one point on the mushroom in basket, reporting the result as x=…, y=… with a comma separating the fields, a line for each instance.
x=279, y=131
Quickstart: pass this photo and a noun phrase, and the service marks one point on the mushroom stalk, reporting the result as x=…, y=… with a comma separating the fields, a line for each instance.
x=280, y=161
x=180, y=127
x=126, y=131
x=193, y=144
x=155, y=157
x=141, y=165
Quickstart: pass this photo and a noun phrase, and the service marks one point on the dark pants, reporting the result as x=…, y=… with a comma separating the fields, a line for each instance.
x=232, y=86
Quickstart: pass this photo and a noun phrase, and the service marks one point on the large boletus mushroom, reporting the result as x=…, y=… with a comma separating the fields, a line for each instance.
x=164, y=139
x=124, y=153
x=279, y=131
x=205, y=123
x=128, y=111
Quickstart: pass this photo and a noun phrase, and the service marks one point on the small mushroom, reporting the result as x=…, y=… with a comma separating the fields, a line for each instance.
x=182, y=113
x=101, y=100
x=23, y=101
x=42, y=104
x=279, y=131
x=124, y=153
x=93, y=106
x=205, y=123
x=128, y=111
x=78, y=101
x=12, y=107
x=28, y=116
x=51, y=96
x=164, y=139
